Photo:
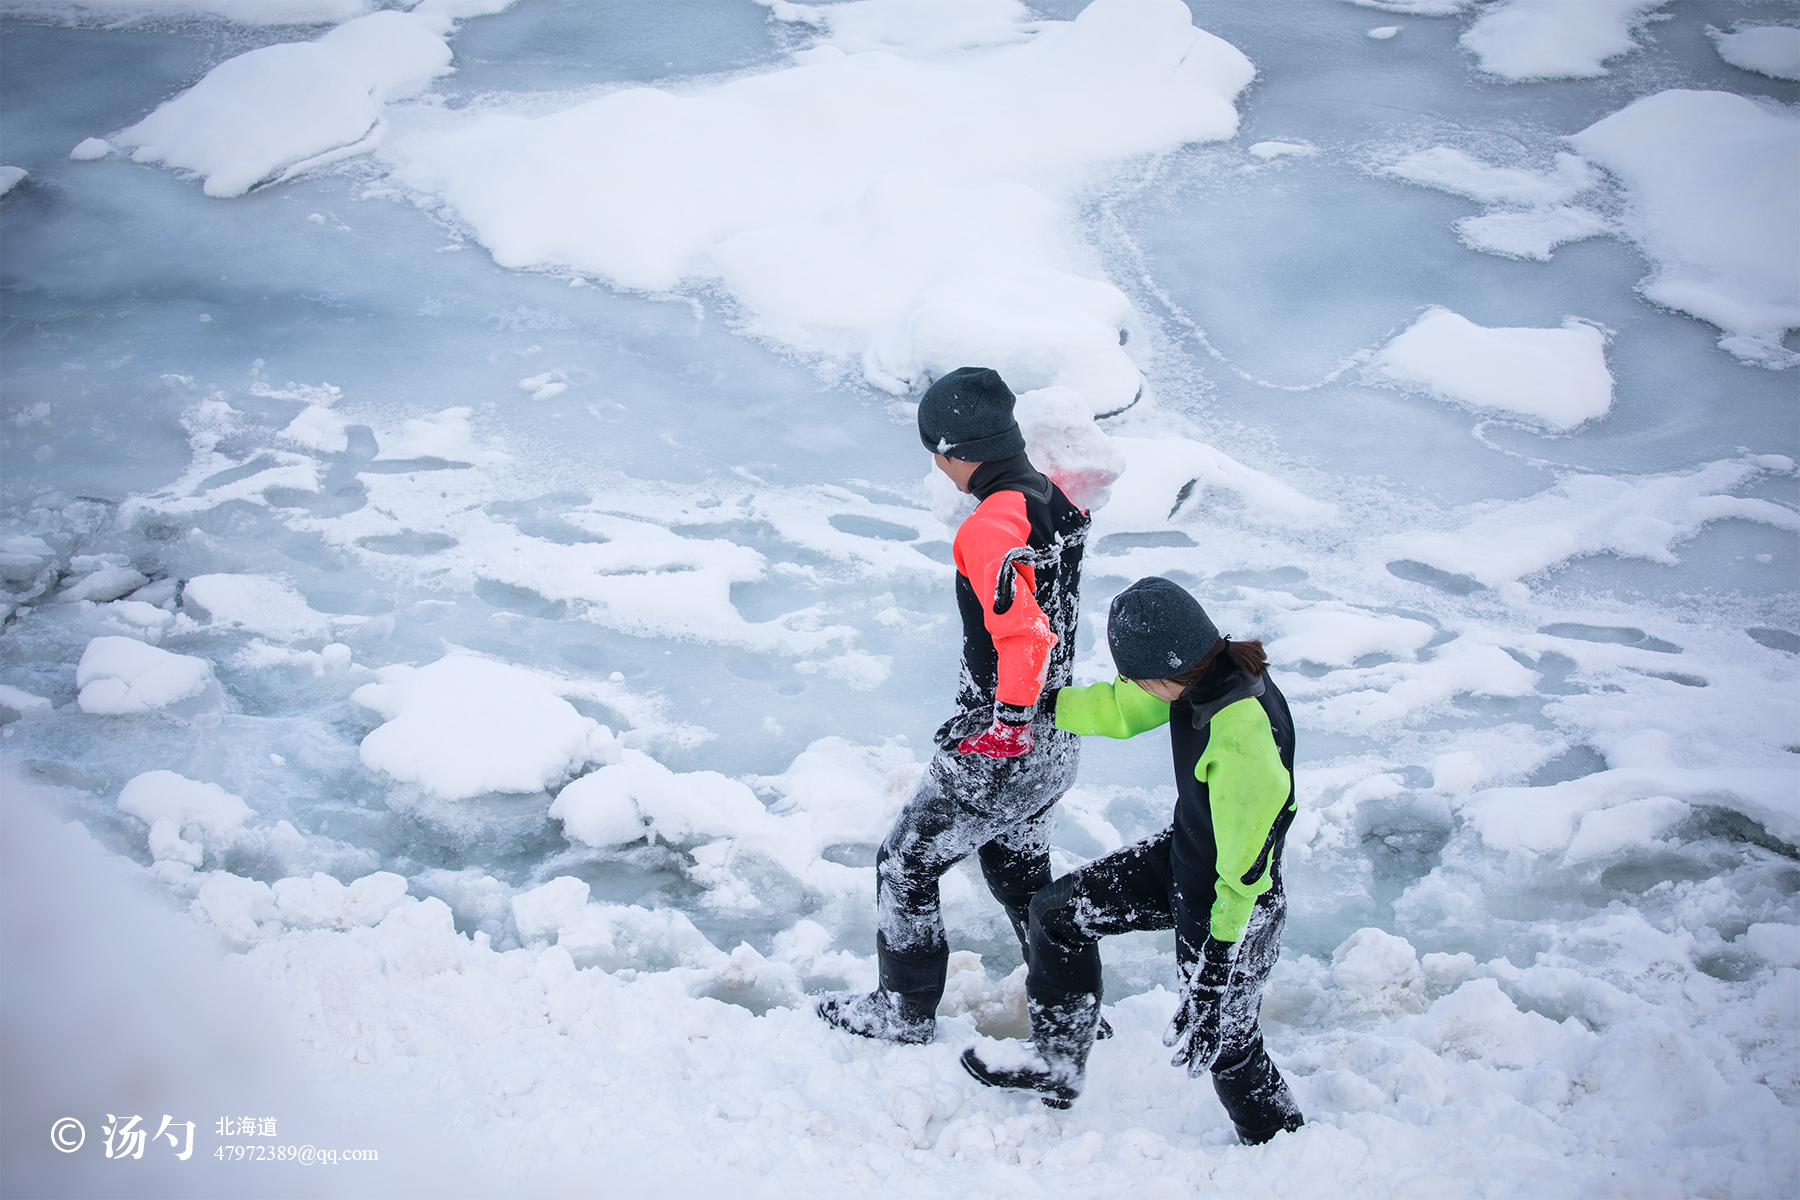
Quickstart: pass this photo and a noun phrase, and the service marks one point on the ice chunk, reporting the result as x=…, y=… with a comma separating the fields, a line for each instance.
x=1772, y=50
x=89, y=149
x=22, y=702
x=11, y=177
x=1714, y=182
x=1776, y=944
x=444, y=435
x=121, y=676
x=318, y=428
x=1556, y=376
x=322, y=902
x=1607, y=831
x=277, y=106
x=170, y=803
x=1378, y=972
x=1555, y=39
x=257, y=604
x=1450, y=170
x=464, y=726
x=1531, y=233
x=1637, y=517
x=637, y=795
x=539, y=913
x=104, y=583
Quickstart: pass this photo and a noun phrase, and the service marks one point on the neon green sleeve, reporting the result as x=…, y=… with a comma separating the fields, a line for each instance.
x=1120, y=709
x=1246, y=787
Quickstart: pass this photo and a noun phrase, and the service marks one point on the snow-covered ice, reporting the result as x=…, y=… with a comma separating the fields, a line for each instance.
x=474, y=599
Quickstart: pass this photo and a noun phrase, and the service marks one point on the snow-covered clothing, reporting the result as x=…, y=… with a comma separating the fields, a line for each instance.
x=1233, y=744
x=995, y=808
x=1214, y=875
x=1018, y=559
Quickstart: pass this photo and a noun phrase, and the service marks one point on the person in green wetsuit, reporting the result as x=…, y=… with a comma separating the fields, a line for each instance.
x=1214, y=875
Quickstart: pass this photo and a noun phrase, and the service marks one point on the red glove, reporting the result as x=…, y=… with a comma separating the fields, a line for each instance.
x=1000, y=740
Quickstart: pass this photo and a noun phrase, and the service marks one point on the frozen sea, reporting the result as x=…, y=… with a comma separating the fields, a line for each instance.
x=474, y=599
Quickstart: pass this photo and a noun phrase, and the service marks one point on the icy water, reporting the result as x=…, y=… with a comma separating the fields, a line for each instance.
x=1559, y=766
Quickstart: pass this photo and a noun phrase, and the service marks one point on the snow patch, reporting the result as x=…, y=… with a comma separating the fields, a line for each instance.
x=1555, y=376
x=1713, y=182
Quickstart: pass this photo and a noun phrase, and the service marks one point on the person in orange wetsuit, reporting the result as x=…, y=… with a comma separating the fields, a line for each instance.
x=1002, y=763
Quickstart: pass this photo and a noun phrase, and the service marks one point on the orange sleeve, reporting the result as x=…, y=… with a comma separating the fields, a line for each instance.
x=1022, y=637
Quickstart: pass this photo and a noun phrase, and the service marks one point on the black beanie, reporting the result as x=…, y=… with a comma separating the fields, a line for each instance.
x=1156, y=630
x=968, y=414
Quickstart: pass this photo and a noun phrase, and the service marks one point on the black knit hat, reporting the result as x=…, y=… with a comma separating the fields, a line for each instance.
x=1156, y=630
x=968, y=414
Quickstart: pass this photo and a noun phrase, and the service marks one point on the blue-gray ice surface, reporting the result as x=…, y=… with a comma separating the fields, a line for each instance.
x=465, y=542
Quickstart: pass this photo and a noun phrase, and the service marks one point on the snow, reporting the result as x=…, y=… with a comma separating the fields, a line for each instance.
x=511, y=722
x=10, y=178
x=243, y=12
x=896, y=210
x=1557, y=376
x=121, y=676
x=275, y=107
x=257, y=604
x=1772, y=50
x=1640, y=517
x=1713, y=186
x=464, y=726
x=1551, y=39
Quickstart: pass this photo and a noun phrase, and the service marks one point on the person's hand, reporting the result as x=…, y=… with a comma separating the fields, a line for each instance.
x=1008, y=736
x=1195, y=1032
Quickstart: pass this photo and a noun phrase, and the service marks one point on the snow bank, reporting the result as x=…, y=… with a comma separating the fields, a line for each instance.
x=273, y=108
x=1555, y=376
x=959, y=256
x=1635, y=517
x=1713, y=182
x=1555, y=39
x=465, y=726
x=121, y=676
x=1772, y=50
x=256, y=604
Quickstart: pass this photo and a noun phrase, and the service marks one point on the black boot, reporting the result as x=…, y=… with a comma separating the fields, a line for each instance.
x=1062, y=1033
x=1021, y=926
x=880, y=1014
x=1256, y=1097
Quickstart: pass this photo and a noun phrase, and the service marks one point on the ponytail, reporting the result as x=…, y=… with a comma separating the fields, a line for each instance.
x=1247, y=655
